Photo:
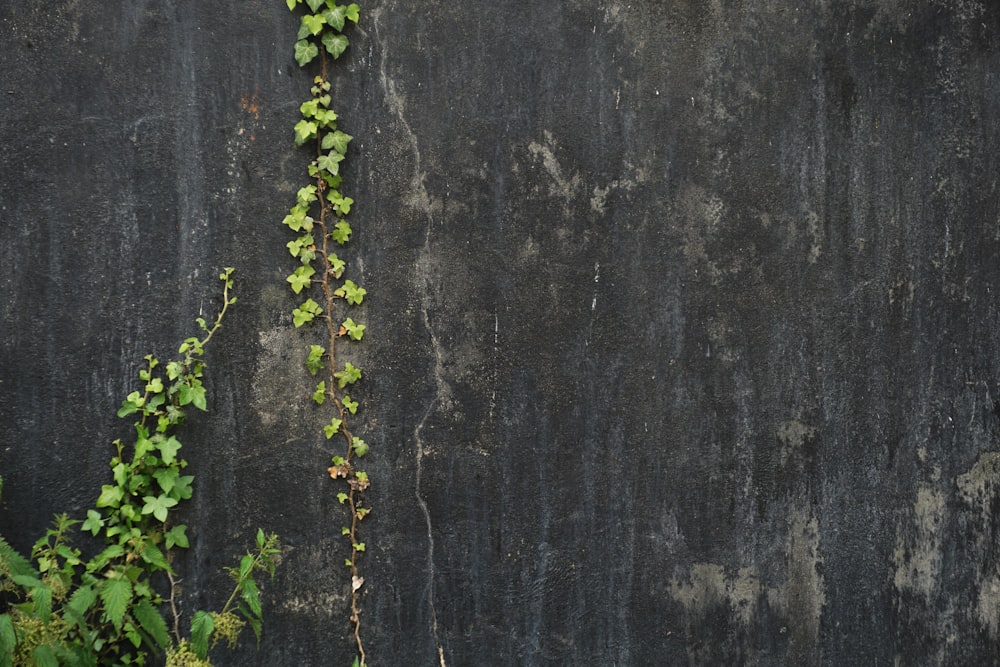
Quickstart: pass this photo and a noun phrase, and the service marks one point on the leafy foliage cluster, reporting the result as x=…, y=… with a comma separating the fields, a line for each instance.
x=319, y=221
x=109, y=608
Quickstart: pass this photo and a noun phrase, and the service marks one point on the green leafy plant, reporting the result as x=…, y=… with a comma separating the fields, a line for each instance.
x=109, y=608
x=319, y=220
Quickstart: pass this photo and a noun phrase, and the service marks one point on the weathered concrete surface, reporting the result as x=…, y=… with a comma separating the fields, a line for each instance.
x=682, y=316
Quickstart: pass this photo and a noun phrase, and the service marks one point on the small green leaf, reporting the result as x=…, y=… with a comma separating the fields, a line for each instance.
x=291, y=4
x=177, y=536
x=111, y=496
x=341, y=232
x=342, y=497
x=301, y=279
x=352, y=12
x=306, y=195
x=305, y=51
x=359, y=546
x=354, y=330
x=93, y=523
x=315, y=4
x=330, y=162
x=360, y=446
x=337, y=265
x=349, y=375
x=319, y=396
x=309, y=108
x=332, y=428
x=158, y=506
x=169, y=447
x=337, y=141
x=345, y=531
x=314, y=363
x=335, y=44
x=306, y=312
x=251, y=595
x=305, y=130
x=351, y=292
x=349, y=405
x=43, y=656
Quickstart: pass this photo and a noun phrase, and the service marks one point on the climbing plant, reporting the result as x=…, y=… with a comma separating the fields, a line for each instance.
x=120, y=606
x=319, y=221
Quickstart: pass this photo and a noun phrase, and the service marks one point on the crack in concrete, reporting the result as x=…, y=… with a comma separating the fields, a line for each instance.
x=420, y=199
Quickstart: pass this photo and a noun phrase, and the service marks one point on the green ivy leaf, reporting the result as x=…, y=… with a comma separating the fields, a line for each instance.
x=337, y=140
x=177, y=536
x=351, y=292
x=305, y=51
x=304, y=131
x=341, y=232
x=353, y=11
x=315, y=4
x=354, y=330
x=349, y=375
x=349, y=405
x=309, y=108
x=301, y=279
x=291, y=4
x=158, y=506
x=116, y=594
x=359, y=546
x=335, y=17
x=342, y=497
x=319, y=396
x=169, y=447
x=111, y=496
x=332, y=428
x=360, y=446
x=306, y=312
x=306, y=195
x=93, y=523
x=335, y=44
x=337, y=265
x=330, y=162
x=314, y=363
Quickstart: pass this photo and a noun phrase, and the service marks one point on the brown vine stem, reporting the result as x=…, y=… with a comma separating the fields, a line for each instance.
x=334, y=333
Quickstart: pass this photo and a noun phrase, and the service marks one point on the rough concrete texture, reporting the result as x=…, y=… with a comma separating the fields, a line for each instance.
x=682, y=317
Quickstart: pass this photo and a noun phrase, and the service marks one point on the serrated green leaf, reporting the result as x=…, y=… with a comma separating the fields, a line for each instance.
x=8, y=640
x=116, y=594
x=152, y=622
x=44, y=656
x=152, y=555
x=202, y=625
x=251, y=595
x=335, y=44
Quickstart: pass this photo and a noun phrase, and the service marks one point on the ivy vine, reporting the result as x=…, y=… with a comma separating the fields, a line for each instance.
x=319, y=221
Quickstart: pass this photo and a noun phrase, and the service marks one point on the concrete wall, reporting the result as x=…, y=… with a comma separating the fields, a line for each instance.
x=682, y=317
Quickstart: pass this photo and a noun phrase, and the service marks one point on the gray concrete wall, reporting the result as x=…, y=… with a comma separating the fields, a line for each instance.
x=682, y=317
